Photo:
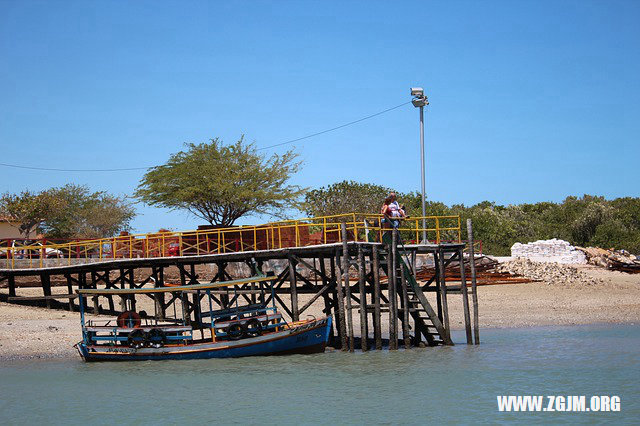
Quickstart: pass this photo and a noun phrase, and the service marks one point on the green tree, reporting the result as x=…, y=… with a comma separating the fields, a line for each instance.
x=345, y=197
x=29, y=209
x=222, y=183
x=87, y=214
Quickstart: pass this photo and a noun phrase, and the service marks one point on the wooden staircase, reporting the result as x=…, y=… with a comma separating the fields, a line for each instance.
x=427, y=323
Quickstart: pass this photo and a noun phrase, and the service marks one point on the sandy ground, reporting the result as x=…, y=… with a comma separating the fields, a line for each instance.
x=27, y=332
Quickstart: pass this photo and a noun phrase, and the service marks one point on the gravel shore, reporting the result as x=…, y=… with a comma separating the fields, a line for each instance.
x=613, y=297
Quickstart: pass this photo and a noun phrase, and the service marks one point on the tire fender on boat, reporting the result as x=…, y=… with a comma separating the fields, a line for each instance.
x=137, y=339
x=235, y=331
x=253, y=328
x=155, y=338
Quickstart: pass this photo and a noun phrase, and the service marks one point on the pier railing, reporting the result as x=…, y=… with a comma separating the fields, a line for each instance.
x=269, y=236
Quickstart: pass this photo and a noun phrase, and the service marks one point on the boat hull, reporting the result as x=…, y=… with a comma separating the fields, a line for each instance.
x=307, y=338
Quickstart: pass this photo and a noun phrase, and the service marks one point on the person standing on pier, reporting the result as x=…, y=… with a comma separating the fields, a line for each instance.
x=391, y=209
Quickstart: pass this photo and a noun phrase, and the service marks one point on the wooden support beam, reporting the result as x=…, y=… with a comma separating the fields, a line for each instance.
x=465, y=299
x=45, y=279
x=393, y=301
x=330, y=284
x=474, y=287
x=11, y=281
x=342, y=328
x=157, y=272
x=346, y=261
x=322, y=291
x=443, y=294
x=405, y=310
x=38, y=298
x=377, y=332
x=436, y=275
x=364, y=326
x=186, y=315
x=293, y=289
x=283, y=305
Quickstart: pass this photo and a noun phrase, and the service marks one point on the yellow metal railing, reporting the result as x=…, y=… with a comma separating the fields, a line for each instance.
x=273, y=235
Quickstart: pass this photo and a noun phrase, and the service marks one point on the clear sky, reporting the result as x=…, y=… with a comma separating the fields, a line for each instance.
x=530, y=100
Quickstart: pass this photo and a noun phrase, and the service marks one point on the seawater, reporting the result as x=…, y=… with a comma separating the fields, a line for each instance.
x=418, y=386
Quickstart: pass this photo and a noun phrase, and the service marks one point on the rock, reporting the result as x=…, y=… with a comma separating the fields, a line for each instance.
x=551, y=273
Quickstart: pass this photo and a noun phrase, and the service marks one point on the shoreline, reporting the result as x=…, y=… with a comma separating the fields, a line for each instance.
x=28, y=333
x=72, y=355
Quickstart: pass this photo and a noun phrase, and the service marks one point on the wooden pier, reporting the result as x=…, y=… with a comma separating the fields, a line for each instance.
x=363, y=285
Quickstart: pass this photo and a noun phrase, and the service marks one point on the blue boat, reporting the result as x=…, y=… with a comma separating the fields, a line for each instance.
x=237, y=331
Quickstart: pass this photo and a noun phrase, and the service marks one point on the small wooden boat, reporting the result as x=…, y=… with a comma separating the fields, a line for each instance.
x=237, y=331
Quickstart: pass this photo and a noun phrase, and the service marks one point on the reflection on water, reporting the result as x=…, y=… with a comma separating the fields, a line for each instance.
x=417, y=386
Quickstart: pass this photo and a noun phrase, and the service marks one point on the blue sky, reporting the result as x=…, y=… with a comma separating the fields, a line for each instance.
x=530, y=101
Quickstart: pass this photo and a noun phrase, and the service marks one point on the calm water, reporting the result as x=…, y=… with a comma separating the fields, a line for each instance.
x=420, y=386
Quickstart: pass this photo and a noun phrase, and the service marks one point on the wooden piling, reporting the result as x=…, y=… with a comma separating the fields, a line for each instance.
x=405, y=311
x=347, y=287
x=325, y=296
x=393, y=301
x=69, y=291
x=293, y=284
x=45, y=279
x=342, y=327
x=377, y=334
x=436, y=265
x=11, y=281
x=474, y=292
x=465, y=298
x=364, y=326
x=443, y=293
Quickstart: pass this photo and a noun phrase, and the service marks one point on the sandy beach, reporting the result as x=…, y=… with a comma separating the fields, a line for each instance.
x=29, y=332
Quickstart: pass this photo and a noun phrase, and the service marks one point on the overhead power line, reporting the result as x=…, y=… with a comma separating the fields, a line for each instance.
x=336, y=128
x=50, y=169
x=124, y=169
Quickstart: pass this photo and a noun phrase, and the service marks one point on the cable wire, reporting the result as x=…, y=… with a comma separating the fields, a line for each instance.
x=54, y=169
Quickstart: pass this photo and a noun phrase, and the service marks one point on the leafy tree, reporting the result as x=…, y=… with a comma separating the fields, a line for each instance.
x=584, y=221
x=345, y=197
x=29, y=209
x=221, y=183
x=87, y=214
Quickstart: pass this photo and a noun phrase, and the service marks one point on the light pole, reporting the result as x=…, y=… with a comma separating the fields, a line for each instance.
x=420, y=100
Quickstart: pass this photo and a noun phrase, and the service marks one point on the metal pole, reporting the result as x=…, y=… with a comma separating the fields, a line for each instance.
x=424, y=205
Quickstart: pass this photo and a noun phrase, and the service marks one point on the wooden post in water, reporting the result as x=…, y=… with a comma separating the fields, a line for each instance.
x=393, y=301
x=436, y=266
x=474, y=294
x=465, y=298
x=377, y=334
x=405, y=311
x=293, y=283
x=364, y=332
x=342, y=328
x=347, y=287
x=325, y=296
x=443, y=292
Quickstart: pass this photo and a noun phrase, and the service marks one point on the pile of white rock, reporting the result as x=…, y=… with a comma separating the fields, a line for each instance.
x=547, y=272
x=553, y=250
